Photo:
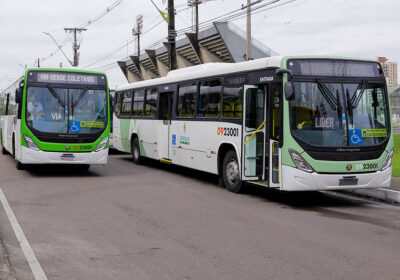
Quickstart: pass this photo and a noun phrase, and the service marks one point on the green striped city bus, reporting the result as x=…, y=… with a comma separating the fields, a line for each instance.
x=56, y=116
x=294, y=123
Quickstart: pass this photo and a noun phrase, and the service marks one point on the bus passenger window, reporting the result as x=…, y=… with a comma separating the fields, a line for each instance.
x=151, y=102
x=126, y=104
x=118, y=99
x=138, y=103
x=186, y=105
x=233, y=97
x=209, y=99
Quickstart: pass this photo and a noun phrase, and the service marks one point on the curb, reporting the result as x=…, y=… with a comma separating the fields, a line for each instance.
x=379, y=193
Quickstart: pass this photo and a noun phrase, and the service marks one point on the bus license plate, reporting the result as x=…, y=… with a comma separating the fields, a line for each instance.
x=67, y=157
x=350, y=181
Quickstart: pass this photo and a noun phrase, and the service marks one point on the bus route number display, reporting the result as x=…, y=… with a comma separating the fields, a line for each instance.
x=69, y=78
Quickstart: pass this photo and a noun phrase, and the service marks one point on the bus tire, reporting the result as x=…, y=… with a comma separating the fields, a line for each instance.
x=13, y=147
x=3, y=151
x=19, y=165
x=135, y=147
x=231, y=173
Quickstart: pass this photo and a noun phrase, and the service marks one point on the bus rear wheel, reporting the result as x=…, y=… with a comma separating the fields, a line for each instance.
x=231, y=173
x=3, y=151
x=136, y=157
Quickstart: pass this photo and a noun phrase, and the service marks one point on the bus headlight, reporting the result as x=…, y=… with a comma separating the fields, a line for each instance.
x=102, y=144
x=31, y=145
x=300, y=162
x=388, y=161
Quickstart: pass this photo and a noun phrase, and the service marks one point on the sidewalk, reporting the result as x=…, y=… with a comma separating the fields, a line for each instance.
x=391, y=194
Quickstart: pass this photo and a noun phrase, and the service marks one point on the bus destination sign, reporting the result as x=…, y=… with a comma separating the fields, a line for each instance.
x=67, y=78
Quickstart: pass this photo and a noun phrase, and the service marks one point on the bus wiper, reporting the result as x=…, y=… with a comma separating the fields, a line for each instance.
x=326, y=92
x=350, y=106
x=79, y=98
x=56, y=96
x=356, y=99
x=339, y=109
x=376, y=102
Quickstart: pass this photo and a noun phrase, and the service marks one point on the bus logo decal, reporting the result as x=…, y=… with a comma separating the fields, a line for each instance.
x=67, y=148
x=349, y=167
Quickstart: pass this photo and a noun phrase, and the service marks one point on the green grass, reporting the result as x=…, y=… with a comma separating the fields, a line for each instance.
x=396, y=156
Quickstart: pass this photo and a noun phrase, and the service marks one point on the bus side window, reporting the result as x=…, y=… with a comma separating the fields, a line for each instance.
x=126, y=108
x=186, y=105
x=151, y=102
x=233, y=97
x=209, y=98
x=118, y=103
x=138, y=103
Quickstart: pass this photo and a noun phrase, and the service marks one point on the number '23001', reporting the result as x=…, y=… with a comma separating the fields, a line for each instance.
x=228, y=131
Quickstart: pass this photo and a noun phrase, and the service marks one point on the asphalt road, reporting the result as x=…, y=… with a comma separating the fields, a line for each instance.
x=154, y=221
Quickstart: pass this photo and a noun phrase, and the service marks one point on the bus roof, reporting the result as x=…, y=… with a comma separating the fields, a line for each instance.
x=216, y=69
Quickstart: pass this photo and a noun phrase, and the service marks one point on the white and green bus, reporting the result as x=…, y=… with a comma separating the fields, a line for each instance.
x=291, y=123
x=53, y=116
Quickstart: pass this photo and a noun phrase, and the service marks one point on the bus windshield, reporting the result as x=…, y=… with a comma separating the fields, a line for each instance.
x=66, y=110
x=339, y=114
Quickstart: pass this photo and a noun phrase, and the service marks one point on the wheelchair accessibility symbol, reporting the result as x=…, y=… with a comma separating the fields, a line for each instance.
x=75, y=127
x=356, y=137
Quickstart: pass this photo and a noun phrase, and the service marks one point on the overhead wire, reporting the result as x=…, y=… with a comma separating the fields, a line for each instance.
x=121, y=46
x=230, y=16
x=67, y=39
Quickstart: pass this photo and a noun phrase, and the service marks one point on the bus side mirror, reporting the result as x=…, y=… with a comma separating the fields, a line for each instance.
x=280, y=72
x=18, y=95
x=289, y=91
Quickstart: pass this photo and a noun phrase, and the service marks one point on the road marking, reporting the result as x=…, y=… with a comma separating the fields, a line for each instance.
x=37, y=270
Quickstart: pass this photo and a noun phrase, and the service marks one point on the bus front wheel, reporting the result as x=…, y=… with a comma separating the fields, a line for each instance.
x=136, y=157
x=19, y=165
x=3, y=151
x=231, y=173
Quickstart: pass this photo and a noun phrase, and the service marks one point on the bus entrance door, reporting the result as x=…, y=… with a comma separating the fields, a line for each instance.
x=164, y=137
x=254, y=128
x=274, y=159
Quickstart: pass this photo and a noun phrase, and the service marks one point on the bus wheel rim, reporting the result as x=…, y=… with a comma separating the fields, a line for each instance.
x=136, y=151
x=232, y=172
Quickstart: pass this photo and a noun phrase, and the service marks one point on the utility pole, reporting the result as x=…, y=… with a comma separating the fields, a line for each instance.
x=195, y=4
x=171, y=35
x=248, y=25
x=248, y=31
x=76, y=45
x=137, y=30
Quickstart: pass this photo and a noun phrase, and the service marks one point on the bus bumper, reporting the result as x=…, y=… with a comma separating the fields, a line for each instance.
x=297, y=180
x=30, y=156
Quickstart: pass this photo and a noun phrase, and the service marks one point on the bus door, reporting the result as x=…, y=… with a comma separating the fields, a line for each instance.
x=254, y=130
x=165, y=129
x=274, y=115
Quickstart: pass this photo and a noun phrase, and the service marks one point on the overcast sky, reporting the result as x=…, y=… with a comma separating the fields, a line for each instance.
x=356, y=28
